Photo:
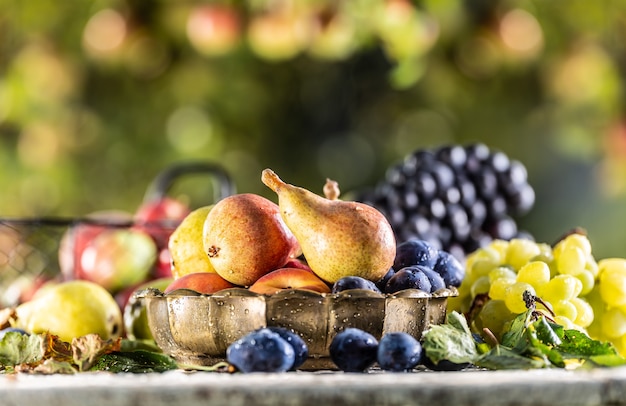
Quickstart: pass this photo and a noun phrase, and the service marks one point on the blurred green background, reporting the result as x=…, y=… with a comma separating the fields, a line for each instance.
x=98, y=96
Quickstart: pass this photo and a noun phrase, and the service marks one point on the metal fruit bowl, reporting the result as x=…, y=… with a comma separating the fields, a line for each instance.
x=197, y=329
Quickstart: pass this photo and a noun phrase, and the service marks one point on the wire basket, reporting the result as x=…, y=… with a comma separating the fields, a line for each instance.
x=30, y=247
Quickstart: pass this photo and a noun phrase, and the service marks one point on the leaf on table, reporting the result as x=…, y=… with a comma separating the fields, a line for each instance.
x=501, y=357
x=139, y=361
x=87, y=349
x=452, y=341
x=51, y=366
x=17, y=348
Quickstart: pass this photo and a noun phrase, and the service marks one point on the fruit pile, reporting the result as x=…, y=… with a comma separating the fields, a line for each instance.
x=570, y=286
x=459, y=198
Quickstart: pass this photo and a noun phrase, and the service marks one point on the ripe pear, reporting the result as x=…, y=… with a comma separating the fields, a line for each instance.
x=70, y=310
x=186, y=246
x=245, y=238
x=338, y=238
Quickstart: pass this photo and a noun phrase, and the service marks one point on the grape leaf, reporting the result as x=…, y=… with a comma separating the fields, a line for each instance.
x=501, y=357
x=17, y=348
x=452, y=341
x=139, y=361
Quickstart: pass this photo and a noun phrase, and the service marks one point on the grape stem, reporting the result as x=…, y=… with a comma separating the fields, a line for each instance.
x=490, y=336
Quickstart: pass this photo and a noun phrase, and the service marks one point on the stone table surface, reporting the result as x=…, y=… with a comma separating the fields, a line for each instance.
x=536, y=387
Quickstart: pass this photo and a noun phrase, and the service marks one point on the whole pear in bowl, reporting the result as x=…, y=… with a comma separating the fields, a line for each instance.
x=245, y=237
x=186, y=247
x=338, y=238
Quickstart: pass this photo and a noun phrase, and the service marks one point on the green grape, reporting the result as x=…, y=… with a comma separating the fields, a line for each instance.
x=592, y=266
x=485, y=257
x=613, y=287
x=617, y=265
x=571, y=261
x=565, y=308
x=579, y=241
x=614, y=323
x=566, y=323
x=495, y=316
x=502, y=272
x=536, y=273
x=520, y=251
x=498, y=288
x=481, y=285
x=588, y=281
x=584, y=312
x=482, y=267
x=562, y=287
x=514, y=299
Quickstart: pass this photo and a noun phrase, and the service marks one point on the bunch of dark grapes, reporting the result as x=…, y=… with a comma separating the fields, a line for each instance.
x=457, y=197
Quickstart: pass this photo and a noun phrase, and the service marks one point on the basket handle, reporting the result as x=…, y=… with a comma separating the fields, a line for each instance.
x=162, y=183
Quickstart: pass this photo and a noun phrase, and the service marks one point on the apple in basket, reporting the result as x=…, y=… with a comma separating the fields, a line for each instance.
x=159, y=218
x=107, y=252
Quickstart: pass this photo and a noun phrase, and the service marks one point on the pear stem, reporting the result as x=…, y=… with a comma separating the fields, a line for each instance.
x=331, y=189
x=271, y=180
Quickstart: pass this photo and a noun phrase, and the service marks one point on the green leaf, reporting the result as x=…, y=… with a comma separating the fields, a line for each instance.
x=17, y=348
x=139, y=361
x=451, y=341
x=505, y=358
x=578, y=344
x=546, y=333
x=515, y=336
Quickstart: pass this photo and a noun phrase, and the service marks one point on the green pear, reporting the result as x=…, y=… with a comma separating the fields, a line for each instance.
x=186, y=245
x=70, y=310
x=135, y=313
x=338, y=238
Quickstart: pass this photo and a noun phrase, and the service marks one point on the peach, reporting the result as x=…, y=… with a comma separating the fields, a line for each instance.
x=297, y=263
x=289, y=278
x=202, y=282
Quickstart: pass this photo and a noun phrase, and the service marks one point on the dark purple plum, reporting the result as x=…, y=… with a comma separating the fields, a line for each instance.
x=436, y=280
x=398, y=352
x=353, y=350
x=450, y=269
x=415, y=252
x=261, y=351
x=301, y=350
x=354, y=282
x=409, y=277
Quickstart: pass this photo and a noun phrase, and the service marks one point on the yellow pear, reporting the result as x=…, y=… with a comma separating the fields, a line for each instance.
x=338, y=238
x=186, y=245
x=70, y=310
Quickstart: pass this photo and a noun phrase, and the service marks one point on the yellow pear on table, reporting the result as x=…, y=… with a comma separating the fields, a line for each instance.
x=186, y=245
x=338, y=238
x=70, y=310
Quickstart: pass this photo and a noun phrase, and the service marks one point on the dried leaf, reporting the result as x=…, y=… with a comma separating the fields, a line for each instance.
x=87, y=349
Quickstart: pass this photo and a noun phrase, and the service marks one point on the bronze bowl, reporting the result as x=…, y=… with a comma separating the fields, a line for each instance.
x=196, y=329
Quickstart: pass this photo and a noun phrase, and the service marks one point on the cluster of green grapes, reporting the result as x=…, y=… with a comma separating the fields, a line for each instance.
x=574, y=289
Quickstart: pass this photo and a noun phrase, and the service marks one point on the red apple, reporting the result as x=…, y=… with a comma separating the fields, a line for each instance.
x=214, y=29
x=202, y=282
x=163, y=266
x=118, y=258
x=289, y=278
x=77, y=237
x=160, y=217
